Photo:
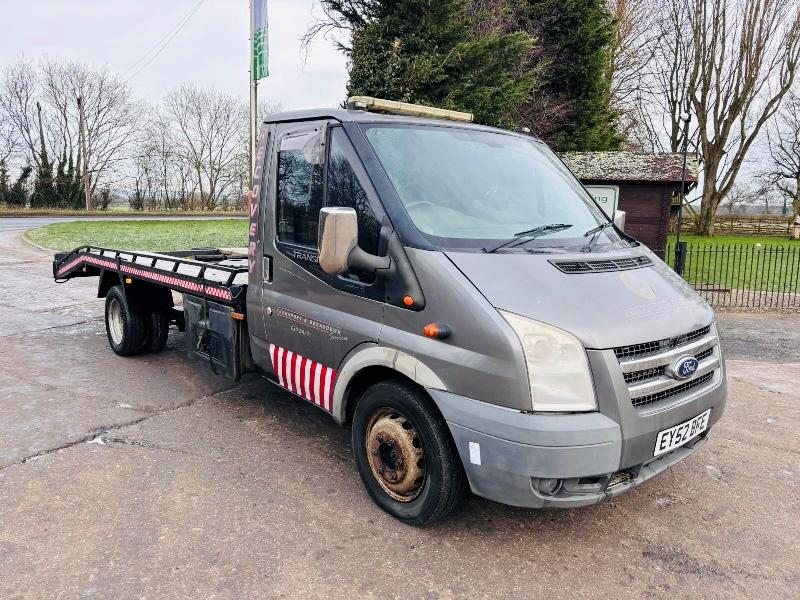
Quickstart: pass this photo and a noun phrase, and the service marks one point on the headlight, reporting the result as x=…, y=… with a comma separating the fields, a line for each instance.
x=558, y=370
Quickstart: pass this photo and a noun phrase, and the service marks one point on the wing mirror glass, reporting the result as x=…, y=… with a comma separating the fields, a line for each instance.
x=619, y=219
x=338, y=243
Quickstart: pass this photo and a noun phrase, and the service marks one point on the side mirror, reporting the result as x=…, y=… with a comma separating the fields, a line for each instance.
x=619, y=219
x=338, y=243
x=338, y=235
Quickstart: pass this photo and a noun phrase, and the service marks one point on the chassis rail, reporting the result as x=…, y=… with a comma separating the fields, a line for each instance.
x=198, y=272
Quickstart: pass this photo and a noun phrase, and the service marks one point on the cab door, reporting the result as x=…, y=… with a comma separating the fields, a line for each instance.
x=313, y=320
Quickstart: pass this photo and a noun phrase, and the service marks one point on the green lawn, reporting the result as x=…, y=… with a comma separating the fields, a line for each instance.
x=741, y=262
x=736, y=240
x=117, y=210
x=150, y=235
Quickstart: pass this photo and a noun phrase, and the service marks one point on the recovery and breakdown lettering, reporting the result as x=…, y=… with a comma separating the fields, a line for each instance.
x=254, y=200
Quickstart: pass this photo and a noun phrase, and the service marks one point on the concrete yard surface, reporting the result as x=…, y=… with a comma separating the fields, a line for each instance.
x=150, y=477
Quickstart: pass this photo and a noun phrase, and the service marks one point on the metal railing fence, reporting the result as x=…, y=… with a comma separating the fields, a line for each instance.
x=765, y=276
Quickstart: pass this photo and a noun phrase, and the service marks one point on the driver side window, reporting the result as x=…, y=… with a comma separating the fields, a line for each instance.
x=299, y=194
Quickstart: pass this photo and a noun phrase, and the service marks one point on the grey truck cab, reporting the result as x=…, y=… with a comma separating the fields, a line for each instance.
x=452, y=293
x=455, y=296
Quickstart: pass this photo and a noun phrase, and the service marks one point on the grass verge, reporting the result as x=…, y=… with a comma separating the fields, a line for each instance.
x=114, y=213
x=147, y=235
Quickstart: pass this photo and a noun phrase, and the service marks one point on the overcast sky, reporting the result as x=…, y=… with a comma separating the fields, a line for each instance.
x=211, y=50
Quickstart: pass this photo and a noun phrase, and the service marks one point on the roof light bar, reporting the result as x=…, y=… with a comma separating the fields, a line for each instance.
x=404, y=108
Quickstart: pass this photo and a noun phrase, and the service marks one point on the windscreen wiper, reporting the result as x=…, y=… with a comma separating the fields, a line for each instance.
x=528, y=234
x=596, y=233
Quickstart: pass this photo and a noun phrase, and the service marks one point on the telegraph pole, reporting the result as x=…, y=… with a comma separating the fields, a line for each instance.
x=87, y=188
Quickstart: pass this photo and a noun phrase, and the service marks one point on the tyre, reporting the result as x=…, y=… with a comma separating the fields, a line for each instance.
x=157, y=331
x=125, y=328
x=405, y=455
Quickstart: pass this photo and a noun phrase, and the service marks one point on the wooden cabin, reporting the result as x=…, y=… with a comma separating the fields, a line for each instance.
x=646, y=186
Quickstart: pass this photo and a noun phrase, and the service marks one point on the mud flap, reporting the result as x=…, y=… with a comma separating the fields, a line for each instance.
x=213, y=336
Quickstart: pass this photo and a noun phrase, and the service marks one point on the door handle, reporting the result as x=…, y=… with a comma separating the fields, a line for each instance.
x=266, y=269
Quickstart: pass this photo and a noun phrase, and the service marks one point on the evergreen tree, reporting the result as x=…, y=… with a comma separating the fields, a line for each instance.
x=61, y=182
x=4, y=187
x=44, y=192
x=574, y=36
x=427, y=52
x=68, y=185
x=18, y=194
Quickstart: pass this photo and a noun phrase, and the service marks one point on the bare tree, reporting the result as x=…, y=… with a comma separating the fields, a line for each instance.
x=210, y=135
x=783, y=139
x=9, y=139
x=744, y=60
x=18, y=94
x=637, y=25
x=742, y=194
x=111, y=114
x=671, y=73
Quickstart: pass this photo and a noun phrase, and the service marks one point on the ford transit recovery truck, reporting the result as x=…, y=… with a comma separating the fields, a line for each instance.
x=452, y=294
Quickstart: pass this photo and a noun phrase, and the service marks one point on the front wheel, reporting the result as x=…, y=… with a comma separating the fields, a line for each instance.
x=405, y=455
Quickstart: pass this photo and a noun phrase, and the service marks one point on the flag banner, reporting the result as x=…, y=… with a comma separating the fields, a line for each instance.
x=260, y=40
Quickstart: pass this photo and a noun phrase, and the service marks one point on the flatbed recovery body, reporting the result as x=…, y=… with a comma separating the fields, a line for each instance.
x=212, y=273
x=452, y=294
x=212, y=284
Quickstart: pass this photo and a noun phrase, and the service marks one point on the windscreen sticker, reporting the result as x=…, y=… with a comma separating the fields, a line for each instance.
x=302, y=376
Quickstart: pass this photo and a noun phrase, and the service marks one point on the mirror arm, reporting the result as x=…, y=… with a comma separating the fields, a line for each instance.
x=368, y=262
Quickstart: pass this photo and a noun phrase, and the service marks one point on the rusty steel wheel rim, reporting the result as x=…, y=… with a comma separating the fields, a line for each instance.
x=395, y=453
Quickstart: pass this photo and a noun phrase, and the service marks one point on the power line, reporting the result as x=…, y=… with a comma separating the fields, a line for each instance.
x=161, y=45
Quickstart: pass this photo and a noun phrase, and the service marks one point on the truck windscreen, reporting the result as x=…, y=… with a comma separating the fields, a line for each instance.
x=467, y=188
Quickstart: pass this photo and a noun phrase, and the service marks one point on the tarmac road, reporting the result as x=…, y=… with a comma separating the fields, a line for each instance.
x=149, y=477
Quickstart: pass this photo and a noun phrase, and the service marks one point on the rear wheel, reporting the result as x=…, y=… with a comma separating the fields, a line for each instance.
x=125, y=327
x=157, y=325
x=405, y=455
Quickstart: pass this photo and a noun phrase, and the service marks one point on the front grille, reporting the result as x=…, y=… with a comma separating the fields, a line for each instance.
x=674, y=391
x=704, y=354
x=601, y=266
x=644, y=375
x=645, y=366
x=641, y=350
x=654, y=372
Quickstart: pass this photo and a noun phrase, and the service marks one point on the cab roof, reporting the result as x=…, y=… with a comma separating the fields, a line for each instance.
x=364, y=116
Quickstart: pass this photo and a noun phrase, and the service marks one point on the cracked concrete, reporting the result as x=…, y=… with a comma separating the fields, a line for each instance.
x=151, y=477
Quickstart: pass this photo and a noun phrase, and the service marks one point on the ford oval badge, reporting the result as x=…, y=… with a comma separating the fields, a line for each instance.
x=683, y=368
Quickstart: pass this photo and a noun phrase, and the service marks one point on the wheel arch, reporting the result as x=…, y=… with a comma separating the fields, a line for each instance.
x=366, y=366
x=139, y=294
x=108, y=279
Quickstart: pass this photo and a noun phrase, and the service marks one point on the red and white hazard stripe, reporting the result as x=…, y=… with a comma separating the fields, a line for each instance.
x=168, y=280
x=303, y=376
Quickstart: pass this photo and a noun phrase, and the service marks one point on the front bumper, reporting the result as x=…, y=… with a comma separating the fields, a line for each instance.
x=506, y=454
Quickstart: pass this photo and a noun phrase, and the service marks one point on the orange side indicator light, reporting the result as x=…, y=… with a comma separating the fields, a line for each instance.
x=436, y=331
x=238, y=316
x=408, y=300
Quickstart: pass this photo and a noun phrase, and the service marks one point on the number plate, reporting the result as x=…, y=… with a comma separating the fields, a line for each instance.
x=677, y=436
